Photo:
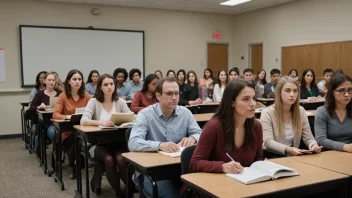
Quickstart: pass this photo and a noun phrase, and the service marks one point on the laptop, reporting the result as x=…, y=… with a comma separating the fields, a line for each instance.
x=120, y=118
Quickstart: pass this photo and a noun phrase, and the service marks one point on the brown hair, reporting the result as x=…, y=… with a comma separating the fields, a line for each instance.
x=226, y=114
x=82, y=89
x=99, y=95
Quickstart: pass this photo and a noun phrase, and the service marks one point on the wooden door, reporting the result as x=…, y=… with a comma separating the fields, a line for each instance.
x=256, y=58
x=346, y=58
x=299, y=58
x=217, y=57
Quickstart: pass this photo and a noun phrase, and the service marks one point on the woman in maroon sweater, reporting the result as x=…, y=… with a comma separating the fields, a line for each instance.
x=233, y=130
x=146, y=96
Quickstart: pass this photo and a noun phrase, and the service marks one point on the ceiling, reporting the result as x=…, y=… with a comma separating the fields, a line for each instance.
x=209, y=6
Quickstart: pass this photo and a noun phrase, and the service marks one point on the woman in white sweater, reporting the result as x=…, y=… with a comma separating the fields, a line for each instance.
x=219, y=87
x=98, y=112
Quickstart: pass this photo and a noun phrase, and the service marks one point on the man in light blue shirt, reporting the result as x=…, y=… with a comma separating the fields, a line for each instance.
x=164, y=126
x=136, y=84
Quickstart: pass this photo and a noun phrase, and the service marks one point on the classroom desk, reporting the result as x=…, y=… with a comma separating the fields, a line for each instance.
x=60, y=126
x=311, y=105
x=23, y=104
x=44, y=121
x=209, y=107
x=266, y=101
x=337, y=161
x=152, y=165
x=94, y=135
x=311, y=180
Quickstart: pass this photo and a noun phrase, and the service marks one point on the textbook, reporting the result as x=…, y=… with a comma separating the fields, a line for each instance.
x=174, y=154
x=124, y=125
x=261, y=171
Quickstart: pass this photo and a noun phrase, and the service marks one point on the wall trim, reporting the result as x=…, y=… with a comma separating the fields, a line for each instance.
x=10, y=136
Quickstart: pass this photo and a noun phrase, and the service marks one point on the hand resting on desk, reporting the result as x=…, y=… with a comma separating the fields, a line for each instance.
x=232, y=167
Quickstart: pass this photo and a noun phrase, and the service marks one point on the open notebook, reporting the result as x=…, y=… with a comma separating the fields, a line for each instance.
x=127, y=124
x=261, y=171
x=174, y=154
x=121, y=120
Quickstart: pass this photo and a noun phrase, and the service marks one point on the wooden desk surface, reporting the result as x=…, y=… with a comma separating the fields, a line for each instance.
x=221, y=186
x=337, y=161
x=90, y=129
x=310, y=112
x=59, y=121
x=203, y=117
x=151, y=159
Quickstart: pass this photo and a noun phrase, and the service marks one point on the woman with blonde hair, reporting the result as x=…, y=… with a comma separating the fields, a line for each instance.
x=285, y=123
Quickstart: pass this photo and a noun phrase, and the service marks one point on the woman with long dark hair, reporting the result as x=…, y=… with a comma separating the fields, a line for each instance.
x=146, y=96
x=75, y=96
x=309, y=88
x=333, y=122
x=233, y=130
x=92, y=81
x=39, y=84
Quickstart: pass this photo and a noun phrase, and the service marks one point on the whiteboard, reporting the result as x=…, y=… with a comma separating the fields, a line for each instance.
x=60, y=49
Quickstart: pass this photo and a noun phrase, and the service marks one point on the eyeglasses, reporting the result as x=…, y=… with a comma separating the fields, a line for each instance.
x=171, y=93
x=344, y=91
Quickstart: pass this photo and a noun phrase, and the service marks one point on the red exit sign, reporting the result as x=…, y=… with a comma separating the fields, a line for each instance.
x=217, y=35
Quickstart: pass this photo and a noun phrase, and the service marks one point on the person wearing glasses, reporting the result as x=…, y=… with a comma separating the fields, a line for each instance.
x=164, y=126
x=333, y=122
x=146, y=96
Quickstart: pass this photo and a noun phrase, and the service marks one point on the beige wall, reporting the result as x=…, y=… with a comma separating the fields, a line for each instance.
x=173, y=39
x=301, y=22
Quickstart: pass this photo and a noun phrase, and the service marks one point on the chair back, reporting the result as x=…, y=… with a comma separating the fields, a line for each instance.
x=186, y=157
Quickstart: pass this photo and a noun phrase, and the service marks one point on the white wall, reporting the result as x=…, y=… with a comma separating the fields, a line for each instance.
x=173, y=39
x=301, y=22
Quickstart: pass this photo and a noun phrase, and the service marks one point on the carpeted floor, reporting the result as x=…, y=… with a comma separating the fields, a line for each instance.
x=21, y=176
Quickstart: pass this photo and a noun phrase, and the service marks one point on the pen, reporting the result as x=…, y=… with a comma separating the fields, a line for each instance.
x=230, y=157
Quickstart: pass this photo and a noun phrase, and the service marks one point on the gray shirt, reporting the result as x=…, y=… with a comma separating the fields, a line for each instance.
x=152, y=127
x=331, y=133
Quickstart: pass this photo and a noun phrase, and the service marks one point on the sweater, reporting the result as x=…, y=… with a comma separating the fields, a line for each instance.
x=141, y=101
x=94, y=108
x=274, y=141
x=210, y=154
x=189, y=93
x=40, y=97
x=331, y=133
x=305, y=93
x=67, y=106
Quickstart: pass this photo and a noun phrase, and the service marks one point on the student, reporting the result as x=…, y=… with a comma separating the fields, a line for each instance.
x=98, y=113
x=248, y=75
x=234, y=73
x=260, y=81
x=205, y=84
x=41, y=102
x=190, y=94
x=39, y=85
x=233, y=130
x=181, y=79
x=293, y=74
x=59, y=84
x=219, y=87
x=92, y=82
x=285, y=123
x=164, y=126
x=120, y=75
x=159, y=74
x=333, y=122
x=269, y=88
x=146, y=96
x=308, y=87
x=74, y=97
x=327, y=77
x=171, y=73
x=136, y=84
